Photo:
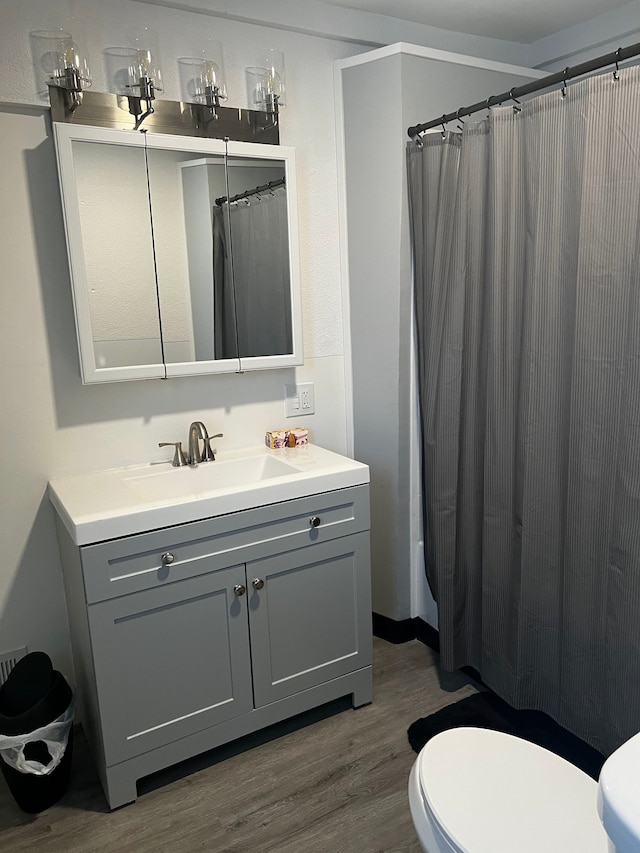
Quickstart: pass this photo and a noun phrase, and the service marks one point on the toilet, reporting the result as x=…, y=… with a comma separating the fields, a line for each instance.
x=480, y=791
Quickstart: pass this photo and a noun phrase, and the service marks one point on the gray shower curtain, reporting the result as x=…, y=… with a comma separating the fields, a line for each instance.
x=252, y=295
x=526, y=250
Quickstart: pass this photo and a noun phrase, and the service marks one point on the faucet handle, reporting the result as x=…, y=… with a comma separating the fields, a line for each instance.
x=178, y=457
x=208, y=455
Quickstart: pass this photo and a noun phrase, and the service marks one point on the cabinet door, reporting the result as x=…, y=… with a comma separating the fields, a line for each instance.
x=103, y=179
x=170, y=661
x=311, y=619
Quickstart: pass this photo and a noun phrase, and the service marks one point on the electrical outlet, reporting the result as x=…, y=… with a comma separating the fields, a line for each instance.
x=299, y=400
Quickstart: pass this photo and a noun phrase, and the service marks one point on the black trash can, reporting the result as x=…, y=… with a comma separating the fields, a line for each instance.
x=33, y=696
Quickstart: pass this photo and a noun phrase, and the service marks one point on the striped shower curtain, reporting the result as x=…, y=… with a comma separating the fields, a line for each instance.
x=526, y=250
x=252, y=292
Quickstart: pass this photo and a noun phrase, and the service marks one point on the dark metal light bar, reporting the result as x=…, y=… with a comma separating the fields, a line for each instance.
x=105, y=110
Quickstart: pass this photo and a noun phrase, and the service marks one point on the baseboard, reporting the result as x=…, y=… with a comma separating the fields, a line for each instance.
x=392, y=630
x=401, y=631
x=427, y=634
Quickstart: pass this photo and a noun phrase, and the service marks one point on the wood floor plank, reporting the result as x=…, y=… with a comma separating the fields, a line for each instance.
x=339, y=783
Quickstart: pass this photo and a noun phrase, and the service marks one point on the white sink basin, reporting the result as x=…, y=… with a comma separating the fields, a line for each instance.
x=182, y=483
x=124, y=501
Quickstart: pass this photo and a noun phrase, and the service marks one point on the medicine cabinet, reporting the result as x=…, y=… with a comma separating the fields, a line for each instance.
x=183, y=253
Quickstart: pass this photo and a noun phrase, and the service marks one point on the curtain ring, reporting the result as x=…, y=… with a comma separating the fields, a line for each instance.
x=516, y=103
x=444, y=129
x=616, y=73
x=564, y=82
x=460, y=121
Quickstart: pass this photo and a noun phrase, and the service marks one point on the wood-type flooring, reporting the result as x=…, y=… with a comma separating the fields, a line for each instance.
x=337, y=783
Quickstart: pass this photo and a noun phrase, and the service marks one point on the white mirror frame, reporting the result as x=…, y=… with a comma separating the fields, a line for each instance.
x=65, y=136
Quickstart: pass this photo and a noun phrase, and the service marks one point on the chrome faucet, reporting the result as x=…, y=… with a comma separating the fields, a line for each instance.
x=198, y=431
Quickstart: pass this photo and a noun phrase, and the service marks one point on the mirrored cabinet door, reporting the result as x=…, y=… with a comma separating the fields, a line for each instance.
x=263, y=244
x=257, y=212
x=110, y=245
x=198, y=331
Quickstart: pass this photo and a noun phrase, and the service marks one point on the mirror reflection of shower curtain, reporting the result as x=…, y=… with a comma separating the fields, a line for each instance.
x=252, y=311
x=224, y=309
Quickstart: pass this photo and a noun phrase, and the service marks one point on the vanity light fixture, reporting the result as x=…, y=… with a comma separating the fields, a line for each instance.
x=145, y=75
x=203, y=80
x=64, y=65
x=267, y=83
x=134, y=78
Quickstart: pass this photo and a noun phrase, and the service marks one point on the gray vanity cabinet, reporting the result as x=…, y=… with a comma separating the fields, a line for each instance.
x=188, y=637
x=170, y=661
x=305, y=624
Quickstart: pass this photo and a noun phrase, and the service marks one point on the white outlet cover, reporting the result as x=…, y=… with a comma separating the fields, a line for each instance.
x=299, y=400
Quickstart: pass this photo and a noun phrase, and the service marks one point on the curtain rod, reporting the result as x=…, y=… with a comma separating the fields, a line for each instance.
x=620, y=55
x=270, y=186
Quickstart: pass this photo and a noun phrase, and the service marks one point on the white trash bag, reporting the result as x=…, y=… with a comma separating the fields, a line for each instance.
x=55, y=735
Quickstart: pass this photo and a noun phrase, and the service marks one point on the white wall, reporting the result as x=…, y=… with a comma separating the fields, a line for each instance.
x=350, y=25
x=601, y=35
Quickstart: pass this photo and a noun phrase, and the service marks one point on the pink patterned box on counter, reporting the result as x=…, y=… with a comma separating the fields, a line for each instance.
x=277, y=438
x=287, y=437
x=298, y=436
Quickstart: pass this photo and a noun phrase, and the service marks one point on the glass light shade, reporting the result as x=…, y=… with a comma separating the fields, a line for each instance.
x=202, y=77
x=209, y=81
x=61, y=60
x=144, y=69
x=267, y=81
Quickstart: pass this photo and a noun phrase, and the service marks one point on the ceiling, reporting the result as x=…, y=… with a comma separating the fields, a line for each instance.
x=522, y=21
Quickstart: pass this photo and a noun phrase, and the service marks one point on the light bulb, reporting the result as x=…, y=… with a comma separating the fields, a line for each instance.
x=71, y=58
x=145, y=76
x=210, y=73
x=144, y=63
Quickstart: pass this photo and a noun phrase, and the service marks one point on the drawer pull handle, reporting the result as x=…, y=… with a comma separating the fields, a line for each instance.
x=257, y=583
x=167, y=558
x=315, y=520
x=239, y=589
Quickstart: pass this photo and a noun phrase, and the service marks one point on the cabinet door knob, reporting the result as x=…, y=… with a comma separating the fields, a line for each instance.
x=239, y=589
x=314, y=521
x=257, y=583
x=167, y=558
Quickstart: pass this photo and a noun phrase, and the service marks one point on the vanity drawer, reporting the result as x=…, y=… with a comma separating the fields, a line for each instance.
x=148, y=560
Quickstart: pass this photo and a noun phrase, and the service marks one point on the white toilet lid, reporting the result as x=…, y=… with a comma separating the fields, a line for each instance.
x=490, y=792
x=618, y=801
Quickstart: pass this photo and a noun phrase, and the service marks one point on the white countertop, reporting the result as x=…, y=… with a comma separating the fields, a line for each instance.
x=124, y=501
